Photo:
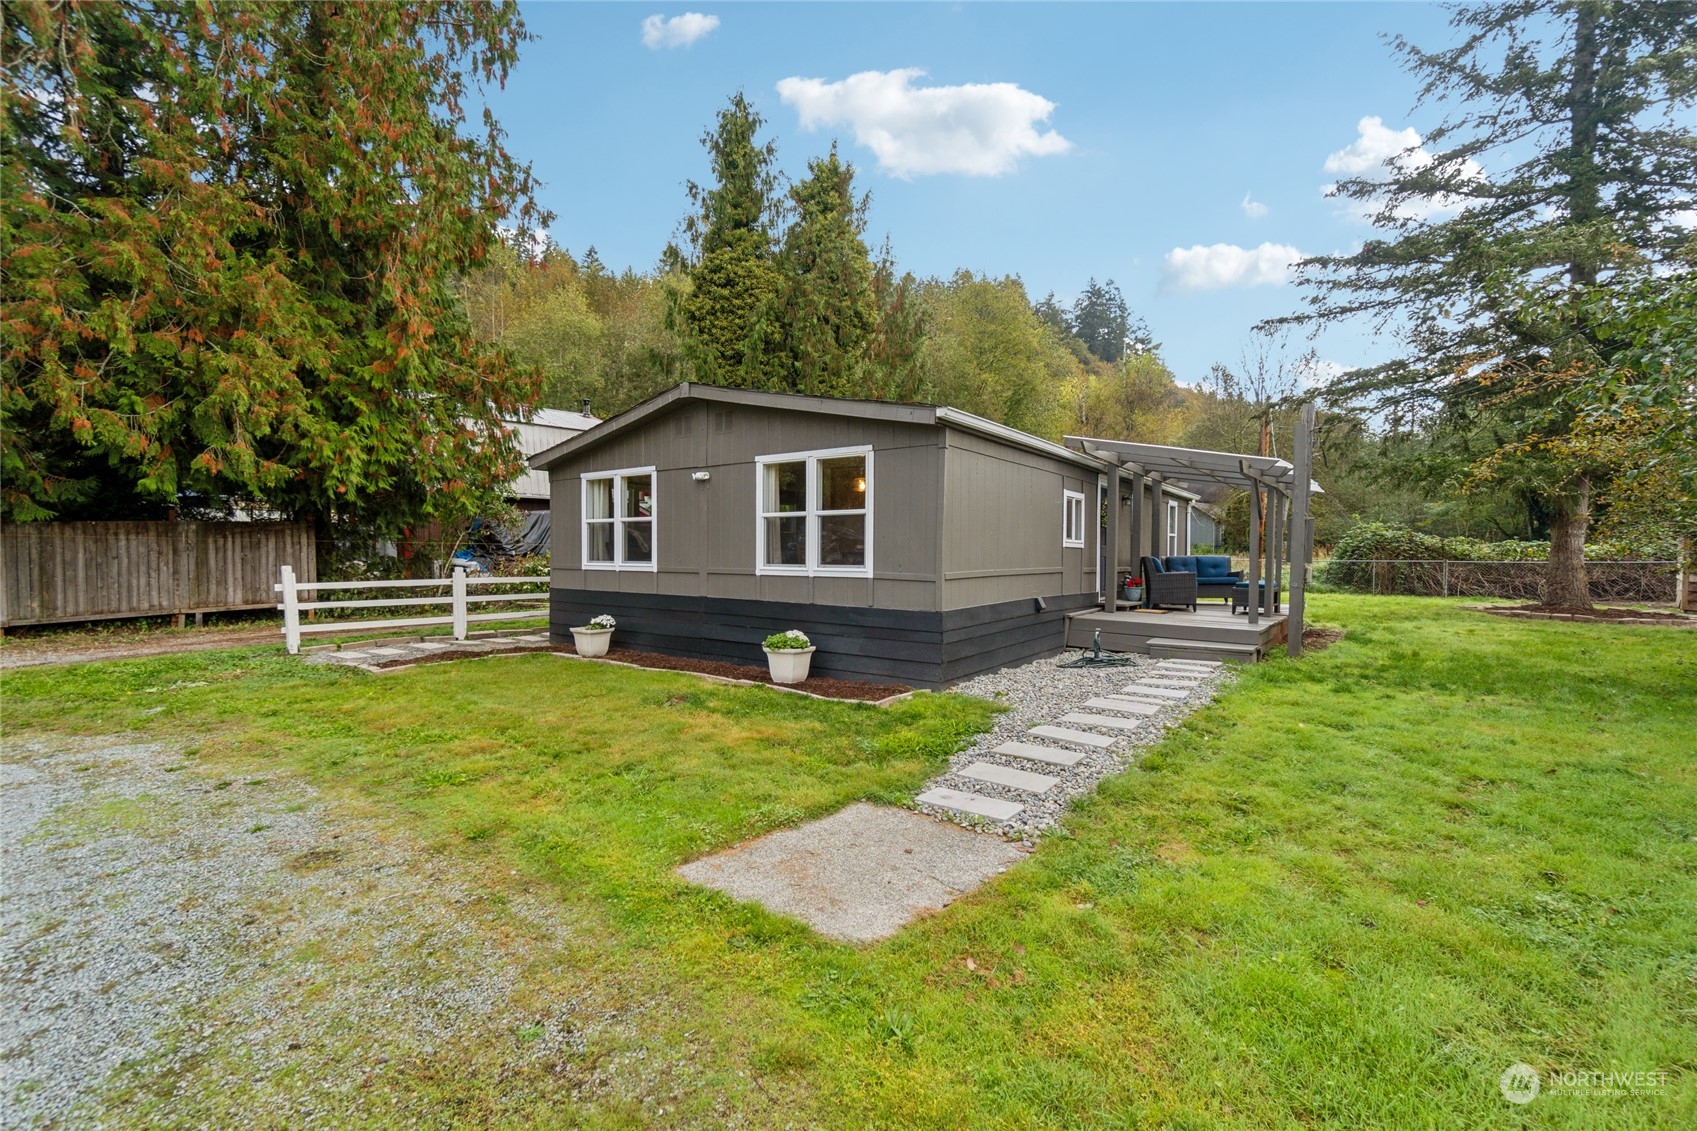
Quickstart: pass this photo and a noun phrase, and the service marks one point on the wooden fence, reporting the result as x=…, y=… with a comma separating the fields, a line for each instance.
x=425, y=597
x=74, y=571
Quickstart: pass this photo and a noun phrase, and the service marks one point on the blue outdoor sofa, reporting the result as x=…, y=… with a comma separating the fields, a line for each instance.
x=1215, y=576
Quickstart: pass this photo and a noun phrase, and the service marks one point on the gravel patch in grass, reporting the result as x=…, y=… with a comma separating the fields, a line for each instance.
x=1037, y=693
x=177, y=948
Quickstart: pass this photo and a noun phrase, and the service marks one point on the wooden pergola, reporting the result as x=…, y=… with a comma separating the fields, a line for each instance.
x=1282, y=488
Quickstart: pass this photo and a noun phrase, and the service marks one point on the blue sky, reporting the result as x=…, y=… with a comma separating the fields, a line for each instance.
x=1180, y=149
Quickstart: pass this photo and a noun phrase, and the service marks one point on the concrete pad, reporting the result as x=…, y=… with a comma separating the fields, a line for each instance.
x=858, y=875
x=963, y=802
x=1017, y=779
x=1107, y=722
x=1046, y=754
x=1157, y=692
x=386, y=653
x=1076, y=737
x=1123, y=706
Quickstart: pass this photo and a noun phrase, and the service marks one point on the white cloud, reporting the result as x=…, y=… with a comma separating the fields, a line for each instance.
x=1378, y=149
x=1253, y=209
x=977, y=129
x=1214, y=267
x=679, y=31
x=1319, y=371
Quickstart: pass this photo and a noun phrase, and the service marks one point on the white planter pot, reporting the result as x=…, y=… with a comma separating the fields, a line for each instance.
x=592, y=641
x=789, y=665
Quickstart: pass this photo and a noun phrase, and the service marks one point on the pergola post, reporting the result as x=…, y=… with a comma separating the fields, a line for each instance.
x=1136, y=563
x=1270, y=540
x=1254, y=578
x=1157, y=517
x=1111, y=554
x=1301, y=527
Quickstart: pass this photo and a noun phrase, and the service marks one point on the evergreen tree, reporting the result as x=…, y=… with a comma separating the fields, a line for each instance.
x=1492, y=278
x=231, y=240
x=731, y=264
x=826, y=310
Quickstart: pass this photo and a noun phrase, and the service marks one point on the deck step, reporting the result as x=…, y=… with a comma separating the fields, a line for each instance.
x=976, y=804
x=1106, y=722
x=1046, y=754
x=1203, y=649
x=1123, y=706
x=1146, y=692
x=1001, y=775
x=1076, y=737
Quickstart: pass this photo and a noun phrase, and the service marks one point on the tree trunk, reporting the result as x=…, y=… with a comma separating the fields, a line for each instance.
x=1565, y=583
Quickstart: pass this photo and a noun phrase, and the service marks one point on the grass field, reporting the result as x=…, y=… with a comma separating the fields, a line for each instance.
x=1350, y=893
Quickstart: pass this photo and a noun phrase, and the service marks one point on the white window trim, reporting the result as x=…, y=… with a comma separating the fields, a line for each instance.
x=812, y=568
x=618, y=563
x=1067, y=500
x=1172, y=529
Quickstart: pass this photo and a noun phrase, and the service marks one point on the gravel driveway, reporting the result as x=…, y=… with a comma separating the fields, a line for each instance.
x=183, y=949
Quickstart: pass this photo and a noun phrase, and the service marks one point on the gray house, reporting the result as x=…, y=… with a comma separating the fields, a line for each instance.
x=910, y=542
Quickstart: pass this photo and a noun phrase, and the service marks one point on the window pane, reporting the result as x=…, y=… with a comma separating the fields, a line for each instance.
x=638, y=500
x=842, y=540
x=600, y=542
x=785, y=487
x=842, y=483
x=786, y=541
x=598, y=498
x=639, y=540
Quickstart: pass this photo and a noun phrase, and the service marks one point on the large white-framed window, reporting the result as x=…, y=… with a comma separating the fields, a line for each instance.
x=1072, y=518
x=618, y=519
x=1172, y=527
x=813, y=513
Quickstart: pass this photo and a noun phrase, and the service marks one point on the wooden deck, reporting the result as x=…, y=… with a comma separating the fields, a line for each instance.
x=1213, y=632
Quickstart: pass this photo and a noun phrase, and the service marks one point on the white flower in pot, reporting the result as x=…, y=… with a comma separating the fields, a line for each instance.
x=593, y=638
x=788, y=656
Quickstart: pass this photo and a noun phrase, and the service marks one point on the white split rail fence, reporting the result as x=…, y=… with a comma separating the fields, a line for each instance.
x=459, y=598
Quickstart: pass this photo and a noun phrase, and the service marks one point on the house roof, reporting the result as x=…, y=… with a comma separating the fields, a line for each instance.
x=832, y=406
x=560, y=418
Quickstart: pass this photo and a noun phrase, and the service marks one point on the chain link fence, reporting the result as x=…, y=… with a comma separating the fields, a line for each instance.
x=1634, y=582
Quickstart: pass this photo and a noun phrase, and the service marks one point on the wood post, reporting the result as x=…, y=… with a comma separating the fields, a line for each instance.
x=1301, y=528
x=291, y=612
x=1112, y=554
x=459, y=603
x=1254, y=578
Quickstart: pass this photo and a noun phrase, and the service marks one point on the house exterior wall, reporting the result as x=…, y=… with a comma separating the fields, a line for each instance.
x=1002, y=524
x=1146, y=527
x=705, y=532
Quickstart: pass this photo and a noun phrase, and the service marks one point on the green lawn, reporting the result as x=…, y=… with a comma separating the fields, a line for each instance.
x=1348, y=894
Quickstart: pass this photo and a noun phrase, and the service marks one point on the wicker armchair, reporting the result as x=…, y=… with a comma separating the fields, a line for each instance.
x=1163, y=588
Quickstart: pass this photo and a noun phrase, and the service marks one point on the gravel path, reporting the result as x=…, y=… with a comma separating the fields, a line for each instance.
x=182, y=949
x=1038, y=693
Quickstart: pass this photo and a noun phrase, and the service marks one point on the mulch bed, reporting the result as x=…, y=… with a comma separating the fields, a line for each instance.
x=813, y=685
x=1603, y=613
x=824, y=688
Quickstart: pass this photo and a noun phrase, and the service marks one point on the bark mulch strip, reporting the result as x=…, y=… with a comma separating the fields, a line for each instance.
x=819, y=686
x=1602, y=613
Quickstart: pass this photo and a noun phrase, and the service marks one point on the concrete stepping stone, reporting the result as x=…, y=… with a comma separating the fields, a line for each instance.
x=1200, y=665
x=1107, y=722
x=1123, y=706
x=1046, y=754
x=385, y=651
x=962, y=802
x=1172, y=681
x=1001, y=775
x=1147, y=692
x=1076, y=737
